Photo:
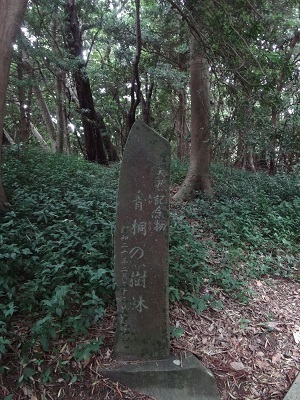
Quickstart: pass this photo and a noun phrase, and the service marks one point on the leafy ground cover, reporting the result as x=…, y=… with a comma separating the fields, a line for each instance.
x=56, y=283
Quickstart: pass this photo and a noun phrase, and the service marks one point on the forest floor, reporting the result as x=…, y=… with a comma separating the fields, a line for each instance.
x=252, y=349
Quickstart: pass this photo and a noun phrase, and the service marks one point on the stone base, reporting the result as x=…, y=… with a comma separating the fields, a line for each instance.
x=294, y=392
x=175, y=378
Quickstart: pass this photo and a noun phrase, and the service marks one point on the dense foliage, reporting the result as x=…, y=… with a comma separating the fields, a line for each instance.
x=57, y=242
x=253, y=54
x=82, y=72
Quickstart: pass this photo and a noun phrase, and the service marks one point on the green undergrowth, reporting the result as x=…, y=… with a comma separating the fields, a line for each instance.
x=56, y=243
x=248, y=229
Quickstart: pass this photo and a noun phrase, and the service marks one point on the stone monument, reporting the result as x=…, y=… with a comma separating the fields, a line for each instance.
x=142, y=344
x=141, y=247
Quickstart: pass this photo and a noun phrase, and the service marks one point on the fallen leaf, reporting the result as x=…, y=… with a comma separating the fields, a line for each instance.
x=296, y=334
x=272, y=324
x=261, y=364
x=276, y=357
x=107, y=354
x=27, y=391
x=237, y=366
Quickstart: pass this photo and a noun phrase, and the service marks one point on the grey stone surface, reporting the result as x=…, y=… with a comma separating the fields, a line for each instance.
x=141, y=274
x=141, y=247
x=174, y=378
x=294, y=392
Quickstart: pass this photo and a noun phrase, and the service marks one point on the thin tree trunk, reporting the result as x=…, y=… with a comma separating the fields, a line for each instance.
x=8, y=137
x=11, y=15
x=292, y=43
x=23, y=134
x=262, y=163
x=60, y=110
x=244, y=155
x=67, y=132
x=198, y=175
x=181, y=126
x=135, y=89
x=94, y=146
x=272, y=150
x=46, y=116
x=146, y=101
x=40, y=139
x=111, y=151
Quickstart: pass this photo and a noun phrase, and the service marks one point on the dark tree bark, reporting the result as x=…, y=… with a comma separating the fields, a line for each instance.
x=94, y=146
x=146, y=101
x=135, y=89
x=61, y=110
x=11, y=15
x=111, y=151
x=244, y=154
x=136, y=94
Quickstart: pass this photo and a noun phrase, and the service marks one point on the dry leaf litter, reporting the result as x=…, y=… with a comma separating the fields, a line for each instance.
x=253, y=350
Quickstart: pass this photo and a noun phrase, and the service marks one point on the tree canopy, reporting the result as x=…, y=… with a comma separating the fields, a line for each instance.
x=219, y=79
x=82, y=72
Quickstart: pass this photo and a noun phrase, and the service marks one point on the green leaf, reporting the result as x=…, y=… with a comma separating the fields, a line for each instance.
x=176, y=332
x=44, y=342
x=73, y=380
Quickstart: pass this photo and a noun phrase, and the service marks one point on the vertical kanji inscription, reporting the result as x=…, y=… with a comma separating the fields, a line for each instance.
x=141, y=247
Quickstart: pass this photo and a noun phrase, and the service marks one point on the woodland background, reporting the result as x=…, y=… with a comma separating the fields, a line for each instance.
x=218, y=79
x=226, y=72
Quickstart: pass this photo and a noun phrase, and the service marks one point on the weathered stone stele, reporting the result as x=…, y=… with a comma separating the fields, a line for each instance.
x=141, y=247
x=142, y=347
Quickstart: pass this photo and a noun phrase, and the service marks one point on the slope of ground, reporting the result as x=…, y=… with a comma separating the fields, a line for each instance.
x=252, y=349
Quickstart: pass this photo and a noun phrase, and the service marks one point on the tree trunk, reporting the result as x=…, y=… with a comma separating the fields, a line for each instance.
x=66, y=130
x=94, y=146
x=294, y=40
x=181, y=126
x=111, y=151
x=40, y=139
x=46, y=116
x=135, y=89
x=246, y=161
x=24, y=128
x=262, y=163
x=60, y=110
x=11, y=15
x=244, y=154
x=198, y=175
x=273, y=141
x=146, y=101
x=7, y=137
